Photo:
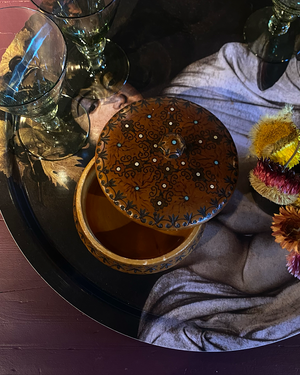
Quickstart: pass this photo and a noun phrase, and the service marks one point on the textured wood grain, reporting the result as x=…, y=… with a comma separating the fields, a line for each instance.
x=40, y=333
x=38, y=329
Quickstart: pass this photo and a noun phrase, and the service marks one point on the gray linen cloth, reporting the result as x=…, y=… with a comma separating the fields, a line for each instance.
x=234, y=291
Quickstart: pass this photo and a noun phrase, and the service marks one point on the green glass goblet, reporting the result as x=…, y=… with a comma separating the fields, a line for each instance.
x=271, y=32
x=33, y=56
x=86, y=23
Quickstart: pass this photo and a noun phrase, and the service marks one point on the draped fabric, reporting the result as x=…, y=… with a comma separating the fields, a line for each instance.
x=226, y=84
x=190, y=310
x=185, y=311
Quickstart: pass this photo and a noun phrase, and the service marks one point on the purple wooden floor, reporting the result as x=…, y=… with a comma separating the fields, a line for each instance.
x=40, y=333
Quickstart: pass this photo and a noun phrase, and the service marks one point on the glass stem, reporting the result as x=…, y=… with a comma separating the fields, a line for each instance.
x=94, y=55
x=49, y=121
x=280, y=21
x=97, y=64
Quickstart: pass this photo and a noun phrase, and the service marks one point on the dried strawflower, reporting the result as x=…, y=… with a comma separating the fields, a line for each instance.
x=286, y=228
x=293, y=264
x=277, y=138
x=297, y=202
x=274, y=182
x=287, y=155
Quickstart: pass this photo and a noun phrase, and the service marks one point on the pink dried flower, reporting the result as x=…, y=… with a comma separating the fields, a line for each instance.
x=275, y=175
x=293, y=264
x=274, y=182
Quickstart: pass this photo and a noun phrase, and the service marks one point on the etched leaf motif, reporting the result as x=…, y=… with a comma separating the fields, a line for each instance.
x=134, y=108
x=229, y=180
x=173, y=101
x=211, y=117
x=130, y=205
x=199, y=110
x=215, y=203
x=119, y=196
x=231, y=167
x=188, y=217
x=230, y=152
x=112, y=125
x=144, y=103
x=202, y=211
x=159, y=101
x=67, y=169
x=143, y=213
x=110, y=184
x=158, y=218
x=222, y=193
x=121, y=115
x=105, y=139
x=173, y=219
x=103, y=154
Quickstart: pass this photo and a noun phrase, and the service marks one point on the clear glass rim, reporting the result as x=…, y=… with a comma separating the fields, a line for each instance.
x=36, y=11
x=73, y=17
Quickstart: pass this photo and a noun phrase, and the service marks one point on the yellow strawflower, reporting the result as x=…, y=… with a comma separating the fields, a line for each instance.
x=277, y=138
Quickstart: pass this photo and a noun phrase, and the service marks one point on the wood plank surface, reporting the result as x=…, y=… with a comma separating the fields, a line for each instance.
x=41, y=333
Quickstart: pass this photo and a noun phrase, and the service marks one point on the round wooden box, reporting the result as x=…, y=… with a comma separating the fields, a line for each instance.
x=163, y=168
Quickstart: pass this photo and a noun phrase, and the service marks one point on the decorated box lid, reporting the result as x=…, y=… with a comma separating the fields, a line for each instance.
x=166, y=163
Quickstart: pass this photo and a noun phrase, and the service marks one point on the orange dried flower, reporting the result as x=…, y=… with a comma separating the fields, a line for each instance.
x=286, y=228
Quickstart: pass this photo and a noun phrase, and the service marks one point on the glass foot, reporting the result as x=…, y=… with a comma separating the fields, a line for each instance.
x=103, y=83
x=270, y=48
x=64, y=141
